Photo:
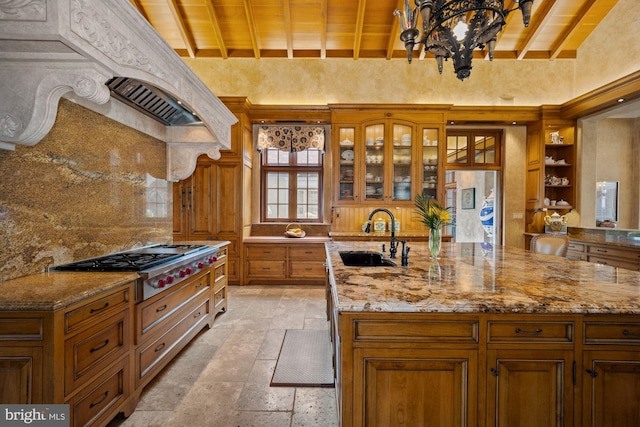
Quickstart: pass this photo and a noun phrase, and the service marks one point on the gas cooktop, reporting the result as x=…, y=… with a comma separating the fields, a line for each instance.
x=133, y=260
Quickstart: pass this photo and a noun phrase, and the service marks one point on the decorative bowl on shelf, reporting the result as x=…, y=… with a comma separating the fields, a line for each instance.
x=348, y=155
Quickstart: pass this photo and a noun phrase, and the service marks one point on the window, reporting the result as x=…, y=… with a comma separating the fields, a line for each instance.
x=291, y=185
x=473, y=148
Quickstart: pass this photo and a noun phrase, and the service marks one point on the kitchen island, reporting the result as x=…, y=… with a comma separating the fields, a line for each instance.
x=484, y=336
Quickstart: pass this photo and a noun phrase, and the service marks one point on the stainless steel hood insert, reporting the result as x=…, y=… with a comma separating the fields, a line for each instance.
x=152, y=102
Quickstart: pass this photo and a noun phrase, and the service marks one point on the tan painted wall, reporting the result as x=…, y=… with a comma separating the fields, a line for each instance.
x=612, y=50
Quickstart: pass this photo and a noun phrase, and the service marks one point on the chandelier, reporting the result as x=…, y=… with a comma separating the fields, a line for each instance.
x=455, y=28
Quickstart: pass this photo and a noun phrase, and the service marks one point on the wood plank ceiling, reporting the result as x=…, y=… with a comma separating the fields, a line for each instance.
x=350, y=29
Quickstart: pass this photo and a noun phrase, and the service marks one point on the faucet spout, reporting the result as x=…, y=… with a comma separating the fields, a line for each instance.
x=393, y=246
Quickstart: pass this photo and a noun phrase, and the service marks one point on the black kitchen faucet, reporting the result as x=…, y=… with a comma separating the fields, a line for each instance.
x=393, y=245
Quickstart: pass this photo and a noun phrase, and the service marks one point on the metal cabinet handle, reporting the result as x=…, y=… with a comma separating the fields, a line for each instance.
x=95, y=310
x=96, y=403
x=160, y=347
x=629, y=333
x=94, y=349
x=536, y=332
x=163, y=308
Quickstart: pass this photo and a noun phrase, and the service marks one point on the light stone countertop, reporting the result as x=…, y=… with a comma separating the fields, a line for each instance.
x=57, y=289
x=475, y=278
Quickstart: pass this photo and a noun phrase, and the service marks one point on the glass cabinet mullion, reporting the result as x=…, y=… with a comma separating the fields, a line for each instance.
x=374, y=174
x=347, y=159
x=430, y=162
x=402, y=160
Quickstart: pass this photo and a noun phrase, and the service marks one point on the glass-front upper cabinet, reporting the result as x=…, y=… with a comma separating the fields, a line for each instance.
x=402, y=159
x=346, y=163
x=374, y=160
x=430, y=162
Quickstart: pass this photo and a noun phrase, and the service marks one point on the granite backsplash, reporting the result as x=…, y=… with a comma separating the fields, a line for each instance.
x=92, y=186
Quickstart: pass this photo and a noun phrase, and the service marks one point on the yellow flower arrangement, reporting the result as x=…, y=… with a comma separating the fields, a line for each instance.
x=431, y=213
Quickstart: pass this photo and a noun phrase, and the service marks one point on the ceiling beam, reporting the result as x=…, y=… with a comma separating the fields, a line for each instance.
x=323, y=29
x=357, y=39
x=251, y=24
x=561, y=41
x=213, y=19
x=535, y=27
x=395, y=32
x=287, y=27
x=187, y=37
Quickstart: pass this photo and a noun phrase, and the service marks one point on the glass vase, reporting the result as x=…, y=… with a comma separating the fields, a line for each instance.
x=435, y=242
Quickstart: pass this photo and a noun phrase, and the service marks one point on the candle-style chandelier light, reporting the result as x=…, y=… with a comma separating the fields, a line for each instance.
x=454, y=28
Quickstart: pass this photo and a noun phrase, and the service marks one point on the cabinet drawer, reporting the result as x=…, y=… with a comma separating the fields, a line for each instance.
x=307, y=270
x=79, y=317
x=629, y=265
x=311, y=252
x=89, y=351
x=273, y=268
x=152, y=313
x=220, y=300
x=29, y=329
x=218, y=273
x=149, y=356
x=557, y=332
x=612, y=333
x=102, y=396
x=417, y=331
x=578, y=247
x=269, y=252
x=621, y=253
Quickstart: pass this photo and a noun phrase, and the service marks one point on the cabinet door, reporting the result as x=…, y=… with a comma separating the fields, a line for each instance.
x=20, y=375
x=200, y=197
x=194, y=204
x=346, y=159
x=611, y=389
x=416, y=388
x=530, y=388
x=430, y=163
x=180, y=211
x=374, y=161
x=402, y=160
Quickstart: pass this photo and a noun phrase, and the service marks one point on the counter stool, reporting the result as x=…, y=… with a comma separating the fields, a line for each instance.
x=550, y=244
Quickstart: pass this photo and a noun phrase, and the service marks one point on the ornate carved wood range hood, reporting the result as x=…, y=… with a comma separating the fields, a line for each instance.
x=51, y=48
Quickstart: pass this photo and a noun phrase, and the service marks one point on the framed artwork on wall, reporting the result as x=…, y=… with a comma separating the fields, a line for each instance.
x=468, y=198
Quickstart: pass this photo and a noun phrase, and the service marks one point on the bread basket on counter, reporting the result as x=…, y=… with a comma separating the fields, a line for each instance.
x=294, y=230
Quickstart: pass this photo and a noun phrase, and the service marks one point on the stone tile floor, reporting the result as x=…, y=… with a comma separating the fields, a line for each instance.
x=221, y=379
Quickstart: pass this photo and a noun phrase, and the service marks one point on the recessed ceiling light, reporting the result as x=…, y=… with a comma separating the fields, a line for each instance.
x=620, y=99
x=514, y=123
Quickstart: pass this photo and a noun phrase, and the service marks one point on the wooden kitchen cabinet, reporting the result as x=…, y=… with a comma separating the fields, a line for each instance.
x=168, y=321
x=384, y=157
x=532, y=385
x=193, y=204
x=282, y=263
x=218, y=210
x=20, y=374
x=441, y=391
x=97, y=357
x=551, y=171
x=611, y=372
x=526, y=351
x=607, y=254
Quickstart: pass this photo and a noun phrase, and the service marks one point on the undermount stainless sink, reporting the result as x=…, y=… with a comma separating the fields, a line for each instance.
x=365, y=259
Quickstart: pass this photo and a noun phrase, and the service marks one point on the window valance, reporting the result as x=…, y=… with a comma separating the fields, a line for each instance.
x=291, y=138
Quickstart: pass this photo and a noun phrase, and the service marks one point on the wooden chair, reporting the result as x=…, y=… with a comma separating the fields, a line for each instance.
x=550, y=244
